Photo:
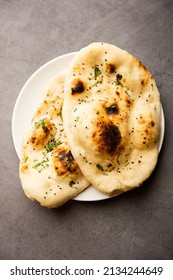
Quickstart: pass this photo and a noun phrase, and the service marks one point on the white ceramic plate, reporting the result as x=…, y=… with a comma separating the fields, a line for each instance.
x=28, y=101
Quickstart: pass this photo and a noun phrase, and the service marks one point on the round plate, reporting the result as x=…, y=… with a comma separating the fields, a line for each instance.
x=28, y=101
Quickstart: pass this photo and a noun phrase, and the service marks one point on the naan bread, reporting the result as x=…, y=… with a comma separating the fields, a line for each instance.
x=111, y=117
x=48, y=171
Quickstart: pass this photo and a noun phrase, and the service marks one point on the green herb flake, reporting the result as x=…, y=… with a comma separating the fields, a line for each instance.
x=45, y=155
x=99, y=167
x=25, y=159
x=77, y=119
x=52, y=144
x=98, y=82
x=97, y=72
x=60, y=114
x=71, y=184
x=127, y=93
x=127, y=163
x=41, y=123
x=40, y=166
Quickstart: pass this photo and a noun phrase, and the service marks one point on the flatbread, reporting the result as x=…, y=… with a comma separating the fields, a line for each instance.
x=48, y=171
x=111, y=117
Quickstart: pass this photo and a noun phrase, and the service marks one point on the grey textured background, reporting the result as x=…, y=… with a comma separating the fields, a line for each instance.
x=135, y=225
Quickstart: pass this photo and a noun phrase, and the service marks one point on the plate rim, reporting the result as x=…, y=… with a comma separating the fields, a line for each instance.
x=79, y=197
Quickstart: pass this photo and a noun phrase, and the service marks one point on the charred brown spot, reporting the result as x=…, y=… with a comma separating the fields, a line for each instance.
x=152, y=123
x=118, y=79
x=78, y=87
x=111, y=68
x=113, y=109
x=142, y=82
x=107, y=137
x=66, y=157
x=33, y=140
x=47, y=130
x=24, y=168
x=142, y=65
x=129, y=103
x=64, y=162
x=117, y=93
x=41, y=132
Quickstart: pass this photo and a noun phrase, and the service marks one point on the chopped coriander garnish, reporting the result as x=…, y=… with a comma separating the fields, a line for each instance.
x=52, y=144
x=60, y=114
x=97, y=72
x=77, y=119
x=127, y=93
x=71, y=184
x=45, y=155
x=25, y=159
x=99, y=167
x=42, y=164
x=41, y=123
x=98, y=82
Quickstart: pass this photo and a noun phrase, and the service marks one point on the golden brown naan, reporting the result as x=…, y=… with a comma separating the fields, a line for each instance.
x=48, y=171
x=111, y=117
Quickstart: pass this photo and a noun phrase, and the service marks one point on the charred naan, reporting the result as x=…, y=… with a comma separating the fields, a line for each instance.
x=48, y=171
x=111, y=117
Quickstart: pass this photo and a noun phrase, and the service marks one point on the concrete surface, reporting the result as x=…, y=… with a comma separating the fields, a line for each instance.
x=136, y=225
